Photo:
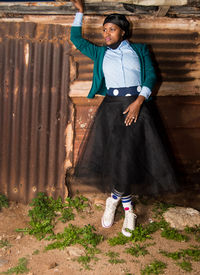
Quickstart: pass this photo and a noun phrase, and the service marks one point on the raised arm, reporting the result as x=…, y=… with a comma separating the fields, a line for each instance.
x=78, y=4
x=83, y=45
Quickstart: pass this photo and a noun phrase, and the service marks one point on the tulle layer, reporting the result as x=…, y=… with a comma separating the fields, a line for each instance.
x=128, y=158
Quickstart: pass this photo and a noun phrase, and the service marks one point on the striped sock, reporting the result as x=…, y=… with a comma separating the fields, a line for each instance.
x=116, y=195
x=127, y=202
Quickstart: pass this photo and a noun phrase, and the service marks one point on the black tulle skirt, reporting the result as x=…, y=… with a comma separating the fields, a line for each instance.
x=131, y=159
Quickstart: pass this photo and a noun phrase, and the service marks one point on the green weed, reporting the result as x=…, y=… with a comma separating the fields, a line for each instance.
x=159, y=208
x=191, y=254
x=4, y=243
x=185, y=265
x=138, y=250
x=141, y=233
x=172, y=234
x=75, y=235
x=172, y=255
x=45, y=211
x=156, y=267
x=84, y=261
x=19, y=269
x=114, y=258
x=89, y=256
x=98, y=207
x=79, y=203
x=194, y=230
x=3, y=201
x=66, y=215
x=120, y=239
x=36, y=252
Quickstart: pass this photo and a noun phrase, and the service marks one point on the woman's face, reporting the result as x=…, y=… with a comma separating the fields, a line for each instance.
x=112, y=33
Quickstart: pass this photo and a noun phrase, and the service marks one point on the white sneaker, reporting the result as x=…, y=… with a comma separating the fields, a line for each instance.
x=109, y=213
x=129, y=223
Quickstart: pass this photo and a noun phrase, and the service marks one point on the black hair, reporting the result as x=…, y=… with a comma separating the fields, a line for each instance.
x=119, y=20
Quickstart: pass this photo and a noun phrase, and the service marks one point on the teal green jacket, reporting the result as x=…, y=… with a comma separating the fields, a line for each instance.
x=96, y=53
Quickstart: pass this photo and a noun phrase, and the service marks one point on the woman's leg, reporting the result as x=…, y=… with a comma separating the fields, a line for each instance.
x=130, y=217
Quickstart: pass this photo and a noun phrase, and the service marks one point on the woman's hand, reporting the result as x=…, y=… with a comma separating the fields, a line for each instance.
x=78, y=5
x=133, y=110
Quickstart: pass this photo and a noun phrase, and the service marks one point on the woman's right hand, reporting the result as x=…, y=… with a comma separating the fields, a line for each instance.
x=78, y=5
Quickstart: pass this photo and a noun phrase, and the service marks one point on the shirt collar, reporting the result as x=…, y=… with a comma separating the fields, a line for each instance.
x=122, y=44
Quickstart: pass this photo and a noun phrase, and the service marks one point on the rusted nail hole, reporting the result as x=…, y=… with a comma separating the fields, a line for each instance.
x=34, y=188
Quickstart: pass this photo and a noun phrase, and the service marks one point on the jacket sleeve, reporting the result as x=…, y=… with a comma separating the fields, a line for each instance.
x=83, y=45
x=149, y=71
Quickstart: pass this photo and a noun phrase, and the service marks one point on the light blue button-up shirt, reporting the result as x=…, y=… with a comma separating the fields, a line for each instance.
x=121, y=66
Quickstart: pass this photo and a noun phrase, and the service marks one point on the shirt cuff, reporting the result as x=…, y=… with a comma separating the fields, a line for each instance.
x=146, y=92
x=78, y=20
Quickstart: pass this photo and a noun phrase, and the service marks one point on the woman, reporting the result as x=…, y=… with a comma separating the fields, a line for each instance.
x=123, y=152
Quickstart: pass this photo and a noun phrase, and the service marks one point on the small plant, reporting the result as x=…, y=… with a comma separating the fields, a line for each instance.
x=172, y=234
x=84, y=260
x=173, y=255
x=19, y=269
x=45, y=211
x=159, y=208
x=98, y=207
x=72, y=234
x=89, y=256
x=36, y=252
x=191, y=254
x=4, y=243
x=3, y=201
x=138, y=250
x=156, y=267
x=185, y=265
x=114, y=258
x=66, y=215
x=79, y=203
x=194, y=230
x=120, y=239
x=141, y=233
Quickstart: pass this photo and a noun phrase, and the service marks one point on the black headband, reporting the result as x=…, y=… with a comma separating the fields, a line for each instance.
x=119, y=20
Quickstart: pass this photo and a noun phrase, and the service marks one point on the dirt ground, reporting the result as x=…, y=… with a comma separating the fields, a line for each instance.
x=61, y=262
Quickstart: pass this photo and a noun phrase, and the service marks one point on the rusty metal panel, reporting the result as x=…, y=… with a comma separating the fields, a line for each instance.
x=33, y=109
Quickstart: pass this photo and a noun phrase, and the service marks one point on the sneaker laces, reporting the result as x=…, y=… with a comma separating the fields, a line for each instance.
x=129, y=221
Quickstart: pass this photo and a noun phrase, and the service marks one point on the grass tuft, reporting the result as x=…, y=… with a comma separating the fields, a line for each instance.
x=45, y=211
x=138, y=250
x=3, y=201
x=19, y=269
x=4, y=243
x=194, y=230
x=156, y=267
x=185, y=265
x=159, y=208
x=72, y=234
x=173, y=234
x=114, y=258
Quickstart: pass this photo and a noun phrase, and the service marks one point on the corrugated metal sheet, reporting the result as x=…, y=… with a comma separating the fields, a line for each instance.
x=33, y=109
